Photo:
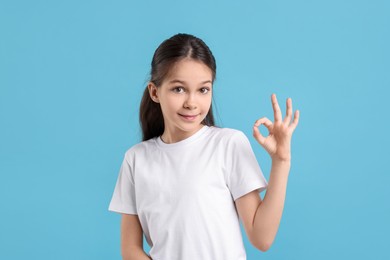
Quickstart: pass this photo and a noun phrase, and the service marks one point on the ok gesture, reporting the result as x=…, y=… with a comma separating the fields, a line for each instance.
x=278, y=141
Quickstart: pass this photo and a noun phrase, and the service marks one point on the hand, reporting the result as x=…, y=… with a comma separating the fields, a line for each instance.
x=278, y=142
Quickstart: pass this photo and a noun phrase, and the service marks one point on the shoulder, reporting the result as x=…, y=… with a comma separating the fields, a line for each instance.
x=140, y=149
x=228, y=135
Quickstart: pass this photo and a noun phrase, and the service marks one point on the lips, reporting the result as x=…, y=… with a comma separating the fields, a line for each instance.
x=189, y=117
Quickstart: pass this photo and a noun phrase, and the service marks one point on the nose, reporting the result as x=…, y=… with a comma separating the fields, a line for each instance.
x=190, y=102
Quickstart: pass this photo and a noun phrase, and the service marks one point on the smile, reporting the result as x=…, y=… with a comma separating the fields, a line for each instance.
x=188, y=117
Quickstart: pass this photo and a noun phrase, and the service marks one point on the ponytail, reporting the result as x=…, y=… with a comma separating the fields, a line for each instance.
x=151, y=117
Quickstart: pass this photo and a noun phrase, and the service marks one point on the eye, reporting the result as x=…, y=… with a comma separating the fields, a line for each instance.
x=204, y=90
x=178, y=89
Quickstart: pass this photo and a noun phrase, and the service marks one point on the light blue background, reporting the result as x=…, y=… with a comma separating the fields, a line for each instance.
x=72, y=74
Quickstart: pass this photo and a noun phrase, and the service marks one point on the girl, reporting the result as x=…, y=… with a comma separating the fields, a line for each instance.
x=189, y=182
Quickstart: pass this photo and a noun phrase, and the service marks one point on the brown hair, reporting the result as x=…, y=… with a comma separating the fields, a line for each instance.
x=177, y=47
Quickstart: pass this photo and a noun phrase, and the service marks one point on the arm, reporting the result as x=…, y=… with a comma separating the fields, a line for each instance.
x=136, y=254
x=131, y=238
x=269, y=211
x=262, y=218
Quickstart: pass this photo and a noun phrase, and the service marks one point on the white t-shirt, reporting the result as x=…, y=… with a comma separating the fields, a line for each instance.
x=184, y=193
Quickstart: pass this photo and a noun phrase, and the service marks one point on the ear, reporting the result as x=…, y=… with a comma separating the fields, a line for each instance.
x=153, y=92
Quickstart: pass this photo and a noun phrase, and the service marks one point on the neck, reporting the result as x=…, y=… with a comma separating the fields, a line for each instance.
x=173, y=136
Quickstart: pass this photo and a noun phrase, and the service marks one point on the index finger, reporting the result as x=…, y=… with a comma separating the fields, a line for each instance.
x=275, y=105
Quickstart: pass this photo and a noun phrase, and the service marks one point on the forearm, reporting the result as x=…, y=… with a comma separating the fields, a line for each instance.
x=135, y=253
x=269, y=212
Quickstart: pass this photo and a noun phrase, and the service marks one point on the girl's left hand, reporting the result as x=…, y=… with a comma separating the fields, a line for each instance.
x=278, y=142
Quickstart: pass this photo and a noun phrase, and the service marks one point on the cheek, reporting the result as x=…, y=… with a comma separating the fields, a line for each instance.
x=207, y=102
x=171, y=104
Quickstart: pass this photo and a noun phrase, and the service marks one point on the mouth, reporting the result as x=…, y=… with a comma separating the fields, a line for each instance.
x=188, y=117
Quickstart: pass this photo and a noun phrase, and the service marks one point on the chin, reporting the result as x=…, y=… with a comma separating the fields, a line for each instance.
x=190, y=126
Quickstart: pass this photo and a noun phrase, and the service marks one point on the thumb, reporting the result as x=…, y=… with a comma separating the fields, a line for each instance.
x=258, y=136
x=256, y=132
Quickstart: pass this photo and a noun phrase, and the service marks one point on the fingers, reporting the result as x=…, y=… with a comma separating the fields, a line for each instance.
x=258, y=136
x=278, y=115
x=256, y=132
x=289, y=114
x=289, y=110
x=295, y=121
x=275, y=105
x=264, y=121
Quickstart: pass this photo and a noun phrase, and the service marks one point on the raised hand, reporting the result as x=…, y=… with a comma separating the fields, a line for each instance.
x=278, y=141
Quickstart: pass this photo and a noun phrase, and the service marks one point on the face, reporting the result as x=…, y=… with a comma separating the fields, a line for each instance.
x=185, y=98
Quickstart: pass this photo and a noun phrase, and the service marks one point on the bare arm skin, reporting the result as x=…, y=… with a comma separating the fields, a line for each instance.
x=131, y=238
x=261, y=218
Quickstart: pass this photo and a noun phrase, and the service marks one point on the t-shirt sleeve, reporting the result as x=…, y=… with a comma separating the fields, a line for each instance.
x=243, y=171
x=123, y=198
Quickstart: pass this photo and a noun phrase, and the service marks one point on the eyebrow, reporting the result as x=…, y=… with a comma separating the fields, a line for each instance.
x=183, y=82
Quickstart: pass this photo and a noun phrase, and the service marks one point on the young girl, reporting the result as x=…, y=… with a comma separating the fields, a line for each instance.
x=189, y=182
